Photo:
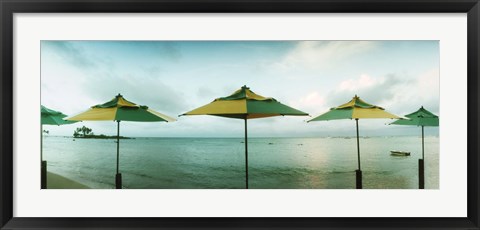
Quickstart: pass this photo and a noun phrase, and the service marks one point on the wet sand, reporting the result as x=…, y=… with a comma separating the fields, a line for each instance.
x=55, y=181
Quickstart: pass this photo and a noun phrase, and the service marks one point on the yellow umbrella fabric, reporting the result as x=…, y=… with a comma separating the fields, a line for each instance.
x=355, y=109
x=119, y=109
x=245, y=104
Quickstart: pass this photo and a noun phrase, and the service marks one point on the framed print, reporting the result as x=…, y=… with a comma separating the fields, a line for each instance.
x=233, y=114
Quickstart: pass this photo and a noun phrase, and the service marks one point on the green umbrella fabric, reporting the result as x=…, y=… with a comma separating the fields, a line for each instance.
x=245, y=104
x=355, y=109
x=120, y=109
x=52, y=117
x=421, y=117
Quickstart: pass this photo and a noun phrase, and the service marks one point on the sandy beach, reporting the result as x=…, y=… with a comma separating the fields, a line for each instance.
x=55, y=181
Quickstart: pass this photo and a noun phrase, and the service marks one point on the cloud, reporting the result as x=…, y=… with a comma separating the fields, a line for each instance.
x=378, y=89
x=324, y=74
x=95, y=74
x=364, y=81
x=424, y=91
x=70, y=52
x=139, y=89
x=322, y=54
x=312, y=101
x=396, y=93
x=171, y=51
x=207, y=93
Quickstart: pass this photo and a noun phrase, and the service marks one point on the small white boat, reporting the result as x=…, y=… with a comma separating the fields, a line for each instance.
x=399, y=153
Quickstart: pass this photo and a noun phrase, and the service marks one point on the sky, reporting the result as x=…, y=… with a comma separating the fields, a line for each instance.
x=174, y=77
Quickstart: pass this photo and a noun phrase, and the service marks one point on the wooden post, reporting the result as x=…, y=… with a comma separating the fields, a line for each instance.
x=118, y=181
x=358, y=174
x=43, y=179
x=421, y=174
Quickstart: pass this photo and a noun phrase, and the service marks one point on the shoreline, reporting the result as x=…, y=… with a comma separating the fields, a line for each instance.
x=55, y=181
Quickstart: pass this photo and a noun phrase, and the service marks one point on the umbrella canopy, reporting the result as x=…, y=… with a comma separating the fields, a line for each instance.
x=355, y=109
x=421, y=117
x=52, y=117
x=119, y=109
x=245, y=104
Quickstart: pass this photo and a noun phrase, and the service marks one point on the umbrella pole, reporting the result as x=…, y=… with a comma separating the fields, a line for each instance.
x=118, y=176
x=43, y=164
x=246, y=154
x=423, y=145
x=358, y=172
x=421, y=165
x=41, y=142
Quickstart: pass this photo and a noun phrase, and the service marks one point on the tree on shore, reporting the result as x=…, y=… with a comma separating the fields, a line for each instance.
x=85, y=132
x=82, y=132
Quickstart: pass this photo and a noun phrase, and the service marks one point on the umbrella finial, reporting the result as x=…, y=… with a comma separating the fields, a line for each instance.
x=245, y=87
x=119, y=95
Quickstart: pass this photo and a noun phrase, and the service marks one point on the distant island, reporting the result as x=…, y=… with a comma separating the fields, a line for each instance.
x=85, y=132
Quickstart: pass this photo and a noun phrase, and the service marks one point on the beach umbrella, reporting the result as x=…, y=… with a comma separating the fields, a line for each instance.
x=52, y=117
x=355, y=109
x=119, y=109
x=422, y=118
x=49, y=117
x=245, y=104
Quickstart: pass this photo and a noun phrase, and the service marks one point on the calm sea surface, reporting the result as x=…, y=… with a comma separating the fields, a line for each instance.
x=274, y=163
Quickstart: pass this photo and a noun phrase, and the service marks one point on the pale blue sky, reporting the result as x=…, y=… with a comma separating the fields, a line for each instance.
x=173, y=77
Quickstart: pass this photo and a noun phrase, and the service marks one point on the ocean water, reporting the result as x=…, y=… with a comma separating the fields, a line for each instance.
x=219, y=163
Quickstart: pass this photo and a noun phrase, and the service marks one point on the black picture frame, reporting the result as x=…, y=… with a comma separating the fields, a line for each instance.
x=10, y=7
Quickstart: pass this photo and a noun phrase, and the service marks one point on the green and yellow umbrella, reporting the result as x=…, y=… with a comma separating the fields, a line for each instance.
x=48, y=117
x=355, y=109
x=245, y=104
x=421, y=117
x=119, y=109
